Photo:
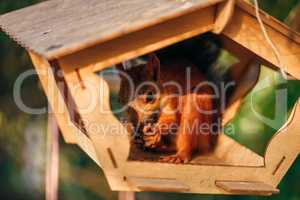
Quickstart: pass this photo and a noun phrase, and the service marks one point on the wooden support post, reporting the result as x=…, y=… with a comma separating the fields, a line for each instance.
x=52, y=162
x=126, y=196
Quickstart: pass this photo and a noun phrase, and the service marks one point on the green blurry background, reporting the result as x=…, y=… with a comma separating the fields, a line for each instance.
x=23, y=136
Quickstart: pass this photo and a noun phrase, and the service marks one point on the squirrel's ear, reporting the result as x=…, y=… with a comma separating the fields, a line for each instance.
x=120, y=67
x=153, y=67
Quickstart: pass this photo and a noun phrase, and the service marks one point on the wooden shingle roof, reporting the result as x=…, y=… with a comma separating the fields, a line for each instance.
x=59, y=27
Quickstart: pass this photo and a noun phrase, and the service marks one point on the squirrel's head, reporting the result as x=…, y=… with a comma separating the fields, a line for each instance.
x=141, y=90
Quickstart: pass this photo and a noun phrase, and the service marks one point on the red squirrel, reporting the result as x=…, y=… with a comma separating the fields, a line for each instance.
x=172, y=117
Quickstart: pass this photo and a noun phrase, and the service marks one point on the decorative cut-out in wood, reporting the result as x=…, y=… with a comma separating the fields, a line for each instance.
x=69, y=41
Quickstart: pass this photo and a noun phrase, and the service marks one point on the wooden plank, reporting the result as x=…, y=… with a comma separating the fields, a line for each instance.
x=55, y=100
x=245, y=56
x=70, y=133
x=56, y=28
x=284, y=147
x=270, y=21
x=245, y=31
x=247, y=80
x=251, y=188
x=234, y=154
x=224, y=13
x=157, y=185
x=103, y=129
x=139, y=43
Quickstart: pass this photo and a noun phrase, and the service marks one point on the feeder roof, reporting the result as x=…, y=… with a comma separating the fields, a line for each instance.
x=60, y=27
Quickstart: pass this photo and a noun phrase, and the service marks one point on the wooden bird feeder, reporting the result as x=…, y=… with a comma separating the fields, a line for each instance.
x=69, y=41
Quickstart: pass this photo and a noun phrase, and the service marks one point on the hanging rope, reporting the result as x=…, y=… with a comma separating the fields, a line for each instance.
x=270, y=42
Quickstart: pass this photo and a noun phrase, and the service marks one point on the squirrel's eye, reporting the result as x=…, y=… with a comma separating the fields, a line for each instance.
x=149, y=97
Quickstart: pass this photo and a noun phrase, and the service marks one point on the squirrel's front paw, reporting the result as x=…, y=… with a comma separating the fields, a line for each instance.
x=176, y=159
x=151, y=136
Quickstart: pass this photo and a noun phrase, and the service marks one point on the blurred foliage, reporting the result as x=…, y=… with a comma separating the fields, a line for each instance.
x=22, y=136
x=271, y=93
x=293, y=19
x=20, y=166
x=278, y=8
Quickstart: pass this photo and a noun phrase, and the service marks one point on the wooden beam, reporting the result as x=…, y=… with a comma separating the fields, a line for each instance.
x=284, y=148
x=244, y=55
x=247, y=81
x=54, y=29
x=272, y=22
x=142, y=42
x=224, y=13
x=70, y=132
x=245, y=31
x=55, y=100
x=249, y=188
x=158, y=185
